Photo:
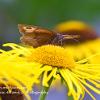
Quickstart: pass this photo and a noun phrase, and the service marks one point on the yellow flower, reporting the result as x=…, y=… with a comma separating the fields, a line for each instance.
x=71, y=25
x=85, y=31
x=51, y=61
x=16, y=71
x=88, y=42
x=85, y=50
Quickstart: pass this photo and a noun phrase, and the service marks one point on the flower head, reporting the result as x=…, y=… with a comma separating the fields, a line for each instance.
x=84, y=46
x=49, y=61
x=52, y=55
x=85, y=31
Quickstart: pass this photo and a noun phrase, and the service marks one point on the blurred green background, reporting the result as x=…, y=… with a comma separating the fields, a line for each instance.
x=50, y=12
x=45, y=13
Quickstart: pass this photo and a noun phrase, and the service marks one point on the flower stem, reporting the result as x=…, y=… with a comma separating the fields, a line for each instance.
x=43, y=95
x=69, y=98
x=44, y=91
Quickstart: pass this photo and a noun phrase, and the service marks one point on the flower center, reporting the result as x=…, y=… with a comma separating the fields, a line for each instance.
x=53, y=55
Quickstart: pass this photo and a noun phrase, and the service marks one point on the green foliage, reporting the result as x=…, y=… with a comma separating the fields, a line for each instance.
x=51, y=12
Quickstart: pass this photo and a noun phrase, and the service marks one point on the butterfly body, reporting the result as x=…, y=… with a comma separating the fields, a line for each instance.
x=36, y=36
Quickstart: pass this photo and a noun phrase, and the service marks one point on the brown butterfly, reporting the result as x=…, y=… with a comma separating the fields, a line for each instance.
x=36, y=36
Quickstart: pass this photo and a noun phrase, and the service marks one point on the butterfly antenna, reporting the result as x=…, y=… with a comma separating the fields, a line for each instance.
x=71, y=36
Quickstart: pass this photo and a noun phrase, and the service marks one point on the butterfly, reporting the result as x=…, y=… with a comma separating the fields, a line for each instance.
x=37, y=36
